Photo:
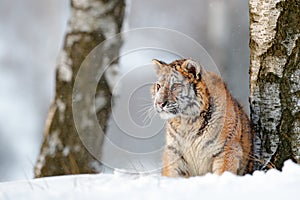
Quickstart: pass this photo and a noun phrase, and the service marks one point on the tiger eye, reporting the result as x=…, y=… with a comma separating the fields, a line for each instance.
x=175, y=86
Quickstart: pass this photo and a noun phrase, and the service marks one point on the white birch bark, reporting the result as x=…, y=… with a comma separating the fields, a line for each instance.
x=275, y=80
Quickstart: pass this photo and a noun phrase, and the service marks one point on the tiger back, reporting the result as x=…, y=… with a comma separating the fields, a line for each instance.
x=207, y=130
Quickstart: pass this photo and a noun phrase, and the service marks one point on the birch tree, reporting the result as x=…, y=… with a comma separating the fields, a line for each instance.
x=90, y=23
x=275, y=80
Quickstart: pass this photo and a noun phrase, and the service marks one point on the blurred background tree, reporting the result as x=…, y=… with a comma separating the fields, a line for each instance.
x=90, y=23
x=275, y=80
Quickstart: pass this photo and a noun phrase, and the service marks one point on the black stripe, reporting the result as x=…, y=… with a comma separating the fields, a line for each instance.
x=209, y=142
x=194, y=88
x=176, y=152
x=180, y=172
x=218, y=153
x=206, y=115
x=173, y=135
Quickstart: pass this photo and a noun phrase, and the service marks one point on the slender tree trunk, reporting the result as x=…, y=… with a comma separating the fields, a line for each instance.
x=275, y=80
x=90, y=23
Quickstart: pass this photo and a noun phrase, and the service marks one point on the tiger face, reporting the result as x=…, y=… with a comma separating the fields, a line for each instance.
x=178, y=89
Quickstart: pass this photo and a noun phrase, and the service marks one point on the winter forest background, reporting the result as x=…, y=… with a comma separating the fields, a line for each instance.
x=32, y=32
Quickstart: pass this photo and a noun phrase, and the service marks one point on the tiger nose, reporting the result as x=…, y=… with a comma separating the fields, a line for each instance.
x=162, y=104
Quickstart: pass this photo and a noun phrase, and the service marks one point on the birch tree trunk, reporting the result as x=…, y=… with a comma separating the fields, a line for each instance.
x=90, y=23
x=275, y=80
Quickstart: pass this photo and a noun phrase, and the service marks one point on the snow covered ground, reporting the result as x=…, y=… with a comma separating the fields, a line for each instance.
x=271, y=185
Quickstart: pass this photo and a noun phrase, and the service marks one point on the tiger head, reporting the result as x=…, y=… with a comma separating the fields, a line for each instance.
x=180, y=90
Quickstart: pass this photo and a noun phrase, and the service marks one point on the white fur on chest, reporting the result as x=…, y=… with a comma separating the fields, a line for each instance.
x=198, y=152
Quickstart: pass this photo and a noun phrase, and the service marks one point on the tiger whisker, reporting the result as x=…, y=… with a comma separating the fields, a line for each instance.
x=150, y=114
x=145, y=104
x=144, y=109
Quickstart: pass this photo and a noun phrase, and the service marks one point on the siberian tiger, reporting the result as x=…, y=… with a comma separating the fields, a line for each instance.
x=207, y=130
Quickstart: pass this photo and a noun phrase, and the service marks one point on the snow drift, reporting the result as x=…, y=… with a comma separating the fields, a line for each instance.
x=270, y=185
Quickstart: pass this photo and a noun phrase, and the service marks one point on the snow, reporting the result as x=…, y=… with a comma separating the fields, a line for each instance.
x=100, y=101
x=66, y=151
x=64, y=67
x=270, y=185
x=61, y=107
x=53, y=144
x=112, y=76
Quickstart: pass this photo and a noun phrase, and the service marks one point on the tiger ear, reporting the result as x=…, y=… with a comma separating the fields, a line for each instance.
x=158, y=65
x=193, y=68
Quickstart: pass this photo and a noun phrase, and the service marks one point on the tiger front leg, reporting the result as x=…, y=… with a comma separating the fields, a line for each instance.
x=174, y=164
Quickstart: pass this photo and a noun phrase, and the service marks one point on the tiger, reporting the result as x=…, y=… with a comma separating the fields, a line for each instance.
x=207, y=130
